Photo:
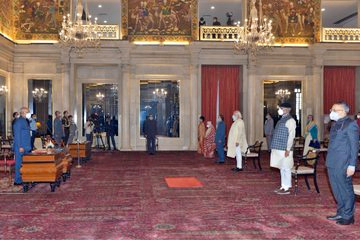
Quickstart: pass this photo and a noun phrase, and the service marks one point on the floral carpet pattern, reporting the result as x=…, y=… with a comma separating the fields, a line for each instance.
x=123, y=195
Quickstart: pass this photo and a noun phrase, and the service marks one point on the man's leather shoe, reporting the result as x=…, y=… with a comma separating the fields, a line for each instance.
x=334, y=218
x=346, y=221
x=17, y=184
x=237, y=169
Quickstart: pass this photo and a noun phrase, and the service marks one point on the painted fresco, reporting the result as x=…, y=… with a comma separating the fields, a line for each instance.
x=294, y=21
x=159, y=19
x=6, y=18
x=39, y=19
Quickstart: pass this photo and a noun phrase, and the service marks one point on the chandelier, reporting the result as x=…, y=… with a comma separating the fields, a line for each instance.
x=79, y=33
x=282, y=94
x=3, y=90
x=39, y=94
x=160, y=93
x=100, y=96
x=256, y=34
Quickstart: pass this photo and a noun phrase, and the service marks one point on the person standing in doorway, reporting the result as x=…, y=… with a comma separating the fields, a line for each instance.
x=268, y=129
x=58, y=129
x=66, y=126
x=150, y=132
x=281, y=146
x=33, y=128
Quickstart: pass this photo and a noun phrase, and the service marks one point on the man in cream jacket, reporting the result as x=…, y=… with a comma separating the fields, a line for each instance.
x=237, y=140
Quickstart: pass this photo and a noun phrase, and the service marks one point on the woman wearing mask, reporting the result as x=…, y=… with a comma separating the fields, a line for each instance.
x=209, y=141
x=311, y=134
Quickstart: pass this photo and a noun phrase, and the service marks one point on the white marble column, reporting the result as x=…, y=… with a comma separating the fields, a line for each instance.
x=19, y=89
x=195, y=78
x=318, y=90
x=250, y=100
x=125, y=109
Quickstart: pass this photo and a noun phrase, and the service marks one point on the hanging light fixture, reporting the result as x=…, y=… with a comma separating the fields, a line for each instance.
x=39, y=94
x=100, y=96
x=256, y=34
x=3, y=90
x=282, y=94
x=160, y=93
x=79, y=33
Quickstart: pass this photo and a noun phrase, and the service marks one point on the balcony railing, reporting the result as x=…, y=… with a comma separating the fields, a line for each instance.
x=229, y=33
x=108, y=32
x=219, y=33
x=341, y=35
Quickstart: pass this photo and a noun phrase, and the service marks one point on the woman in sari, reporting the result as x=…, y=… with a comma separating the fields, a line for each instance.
x=311, y=133
x=201, y=135
x=209, y=141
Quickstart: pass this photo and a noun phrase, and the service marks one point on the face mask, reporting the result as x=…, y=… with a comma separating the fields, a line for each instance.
x=151, y=118
x=358, y=116
x=234, y=118
x=280, y=112
x=334, y=116
x=208, y=126
x=17, y=116
x=28, y=115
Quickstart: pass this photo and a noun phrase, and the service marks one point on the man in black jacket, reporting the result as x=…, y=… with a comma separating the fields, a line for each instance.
x=341, y=161
x=150, y=131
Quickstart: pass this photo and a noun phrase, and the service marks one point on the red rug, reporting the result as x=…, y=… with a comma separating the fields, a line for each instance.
x=183, y=182
x=123, y=195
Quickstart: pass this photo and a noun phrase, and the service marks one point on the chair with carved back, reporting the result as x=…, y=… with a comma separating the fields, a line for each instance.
x=7, y=159
x=306, y=166
x=254, y=152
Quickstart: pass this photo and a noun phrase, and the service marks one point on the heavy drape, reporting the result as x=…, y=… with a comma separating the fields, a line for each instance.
x=339, y=84
x=229, y=91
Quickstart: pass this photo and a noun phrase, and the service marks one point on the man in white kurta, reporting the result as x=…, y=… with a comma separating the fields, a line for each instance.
x=281, y=147
x=237, y=140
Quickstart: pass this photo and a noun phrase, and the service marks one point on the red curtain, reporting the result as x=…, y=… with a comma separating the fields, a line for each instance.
x=339, y=84
x=229, y=91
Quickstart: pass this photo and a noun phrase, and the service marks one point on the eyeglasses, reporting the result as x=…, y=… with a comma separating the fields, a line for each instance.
x=336, y=110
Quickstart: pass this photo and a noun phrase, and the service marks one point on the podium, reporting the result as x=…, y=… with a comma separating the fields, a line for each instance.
x=82, y=150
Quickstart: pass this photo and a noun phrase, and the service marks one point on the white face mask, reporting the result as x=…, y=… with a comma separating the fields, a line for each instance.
x=28, y=115
x=208, y=126
x=234, y=118
x=334, y=116
x=280, y=112
x=358, y=116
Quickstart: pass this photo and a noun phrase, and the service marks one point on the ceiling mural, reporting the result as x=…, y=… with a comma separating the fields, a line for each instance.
x=39, y=19
x=159, y=20
x=293, y=22
x=6, y=17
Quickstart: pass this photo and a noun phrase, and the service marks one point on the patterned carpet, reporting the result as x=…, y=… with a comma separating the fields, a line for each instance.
x=123, y=195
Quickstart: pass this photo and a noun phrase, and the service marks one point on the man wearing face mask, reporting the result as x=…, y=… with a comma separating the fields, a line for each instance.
x=341, y=161
x=220, y=139
x=237, y=140
x=33, y=128
x=22, y=142
x=150, y=131
x=281, y=147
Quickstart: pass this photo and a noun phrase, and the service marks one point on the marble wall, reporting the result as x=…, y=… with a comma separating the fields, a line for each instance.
x=126, y=64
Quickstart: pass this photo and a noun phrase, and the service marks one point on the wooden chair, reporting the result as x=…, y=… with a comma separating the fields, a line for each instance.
x=7, y=160
x=306, y=166
x=298, y=146
x=254, y=152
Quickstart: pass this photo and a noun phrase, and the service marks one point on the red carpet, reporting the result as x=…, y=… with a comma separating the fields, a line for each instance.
x=182, y=182
x=124, y=196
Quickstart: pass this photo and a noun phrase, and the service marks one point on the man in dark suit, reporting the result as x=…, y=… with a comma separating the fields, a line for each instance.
x=341, y=161
x=220, y=139
x=150, y=131
x=22, y=142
